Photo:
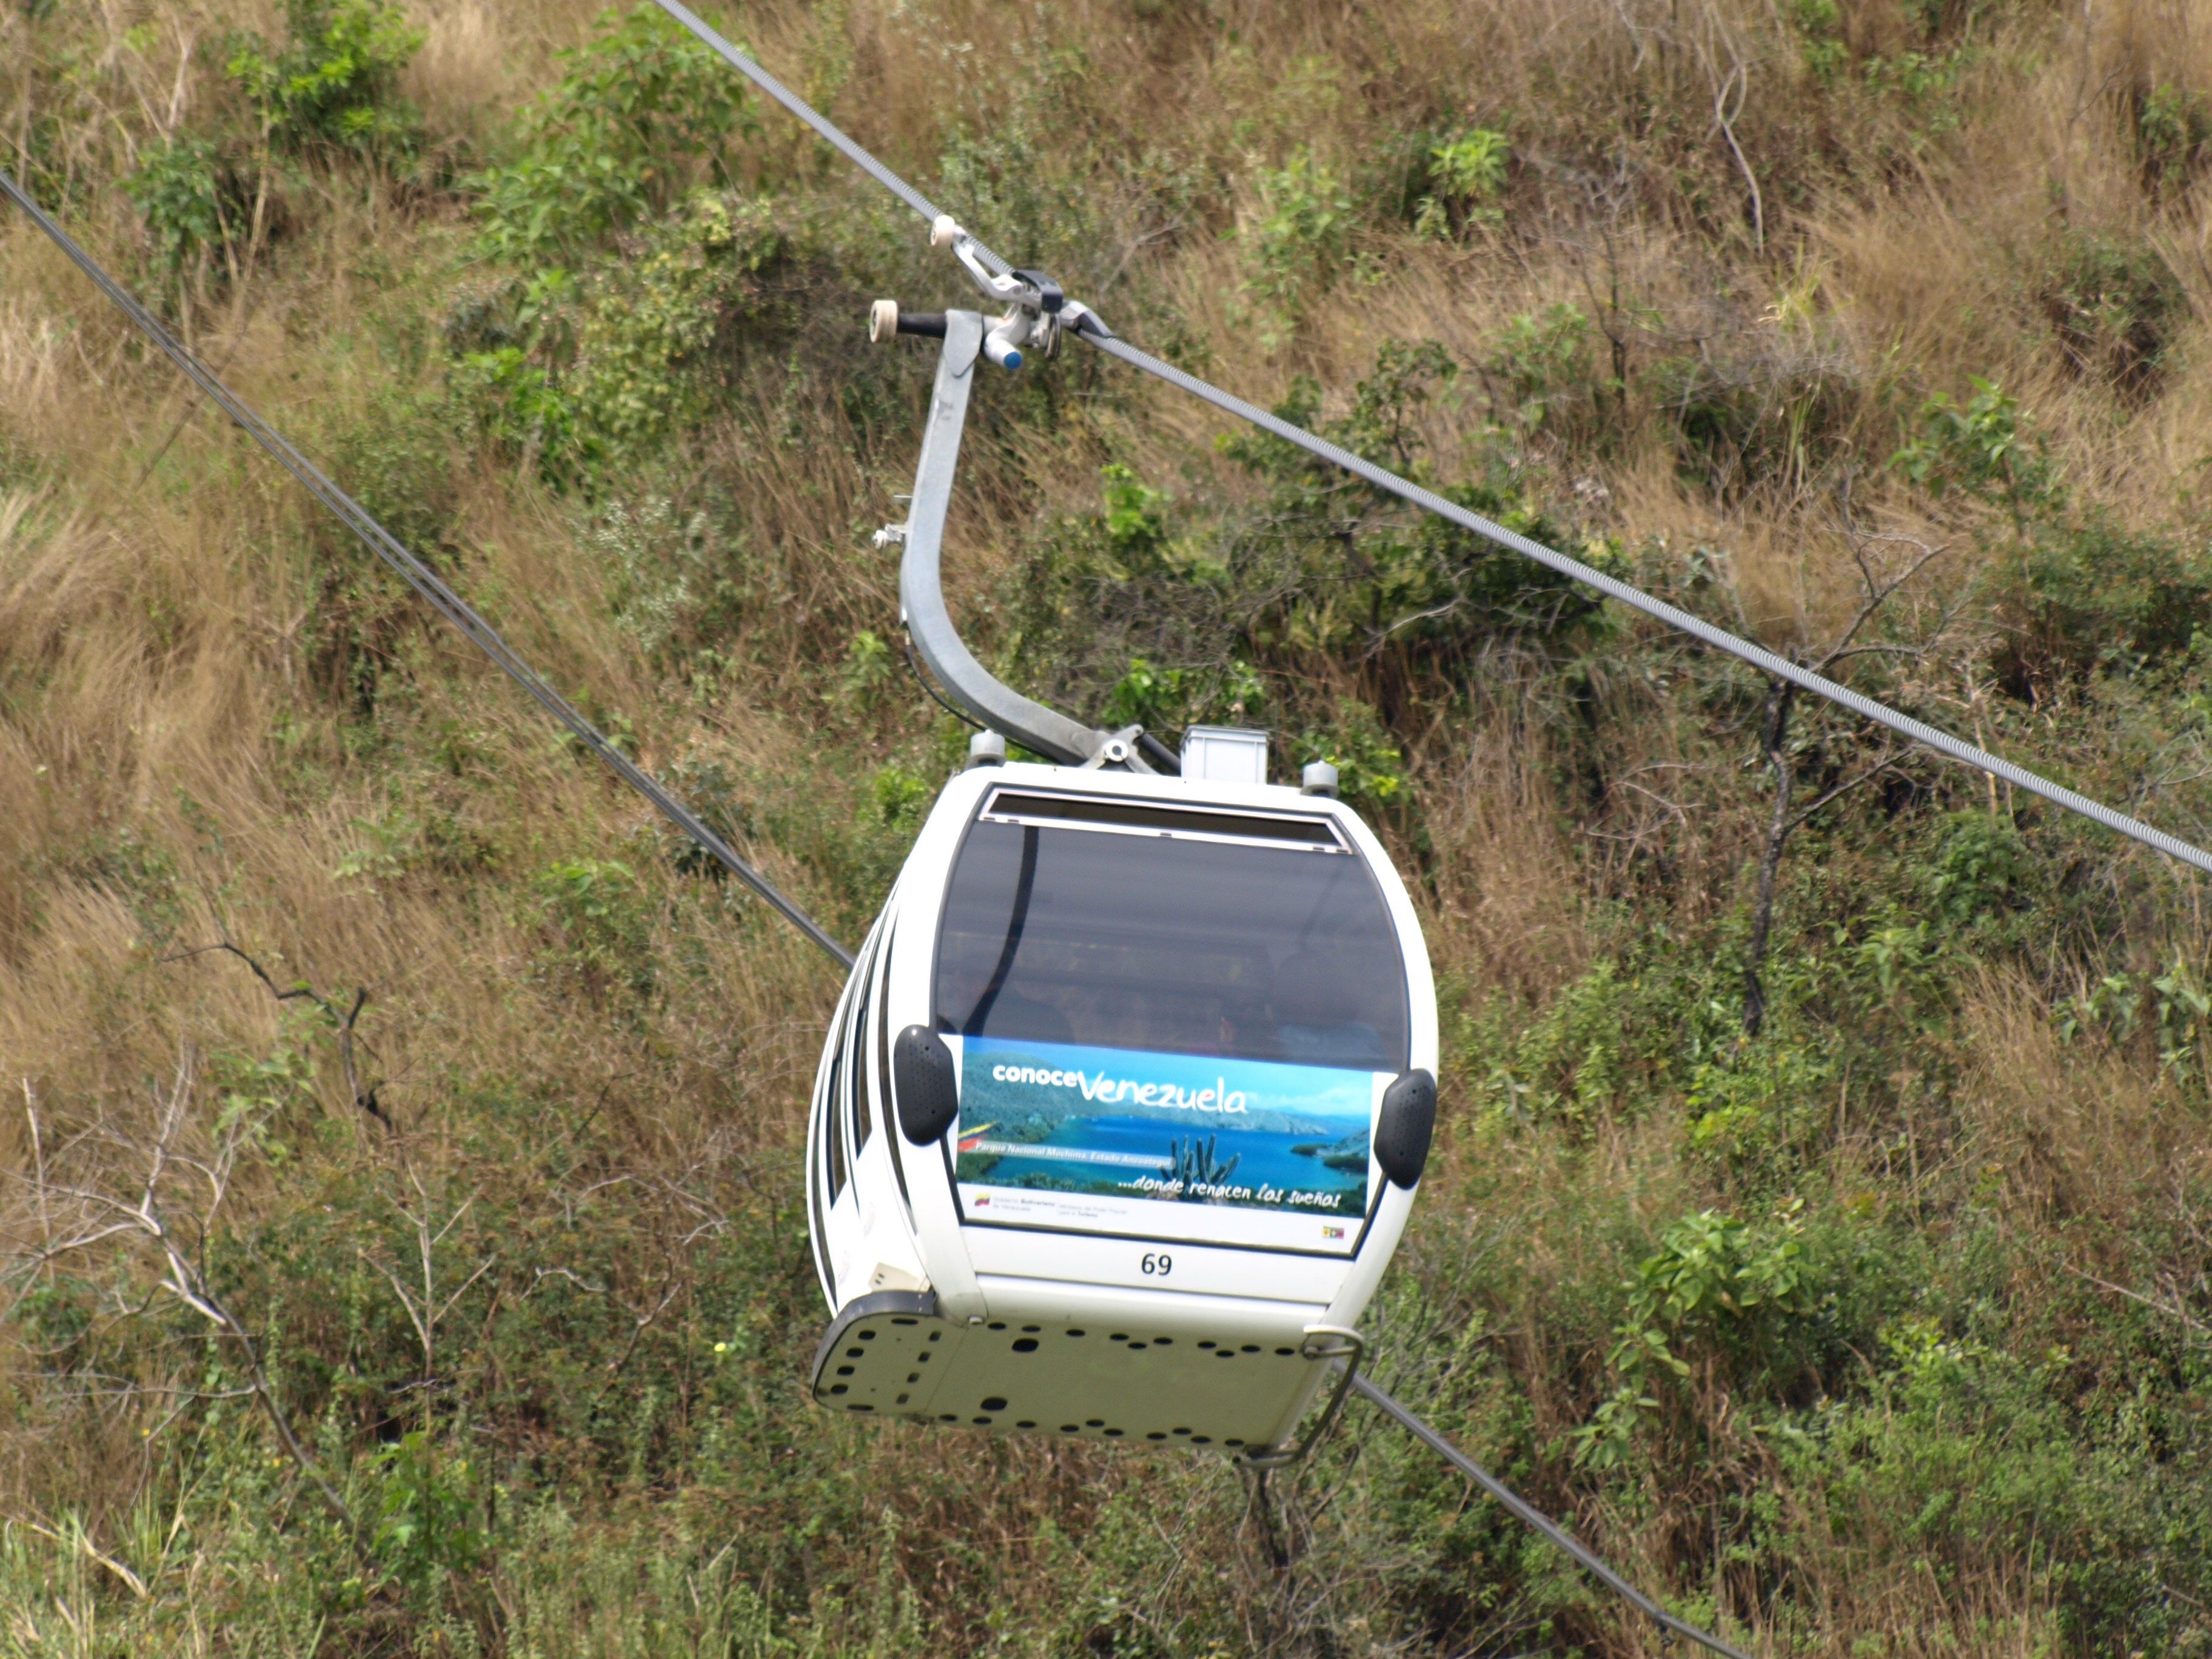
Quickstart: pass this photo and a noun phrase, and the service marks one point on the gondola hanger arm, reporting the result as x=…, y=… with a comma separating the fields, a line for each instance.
x=968, y=685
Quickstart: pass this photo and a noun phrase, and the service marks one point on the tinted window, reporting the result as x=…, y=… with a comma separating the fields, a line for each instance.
x=856, y=1050
x=833, y=1123
x=1156, y=942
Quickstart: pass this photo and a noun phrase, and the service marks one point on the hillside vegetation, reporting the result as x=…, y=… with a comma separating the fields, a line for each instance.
x=403, y=1242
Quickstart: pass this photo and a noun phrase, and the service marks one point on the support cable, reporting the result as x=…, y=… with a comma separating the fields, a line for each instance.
x=419, y=576
x=831, y=133
x=1530, y=1516
x=1088, y=326
x=1758, y=657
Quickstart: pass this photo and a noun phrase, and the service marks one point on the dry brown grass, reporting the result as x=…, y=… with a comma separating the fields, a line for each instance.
x=157, y=676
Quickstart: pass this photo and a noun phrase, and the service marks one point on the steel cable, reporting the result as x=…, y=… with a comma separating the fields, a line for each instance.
x=419, y=576
x=1758, y=656
x=1095, y=332
x=830, y=132
x=1530, y=1516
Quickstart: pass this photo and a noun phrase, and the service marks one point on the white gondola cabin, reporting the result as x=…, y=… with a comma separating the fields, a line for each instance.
x=1123, y=1104
x=1122, y=1111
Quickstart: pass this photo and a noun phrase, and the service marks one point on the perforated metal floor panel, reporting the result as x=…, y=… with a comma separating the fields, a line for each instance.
x=890, y=1355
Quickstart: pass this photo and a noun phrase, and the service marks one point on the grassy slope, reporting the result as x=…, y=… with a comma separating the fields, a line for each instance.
x=1933, y=1363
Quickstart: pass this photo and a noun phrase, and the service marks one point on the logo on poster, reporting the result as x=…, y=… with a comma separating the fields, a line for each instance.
x=1109, y=1090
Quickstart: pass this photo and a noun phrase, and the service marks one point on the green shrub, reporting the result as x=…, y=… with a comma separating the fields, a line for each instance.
x=1417, y=581
x=2116, y=306
x=1983, y=450
x=1301, y=237
x=396, y=457
x=137, y=872
x=1370, y=769
x=1718, y=1290
x=584, y=373
x=1166, y=700
x=1819, y=25
x=644, y=114
x=1468, y=174
x=1924, y=85
x=1757, y=1105
x=711, y=791
x=1960, y=1456
x=1136, y=515
x=2184, y=1007
x=1016, y=173
x=1570, y=1061
x=662, y=580
x=871, y=668
x=1981, y=863
x=1714, y=1280
x=1473, y=166
x=427, y=1528
x=185, y=193
x=333, y=82
x=2173, y=127
x=599, y=912
x=652, y=317
x=1542, y=361
x=1168, y=612
x=2092, y=597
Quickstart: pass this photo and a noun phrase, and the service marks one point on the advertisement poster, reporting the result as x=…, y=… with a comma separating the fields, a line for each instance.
x=1114, y=1140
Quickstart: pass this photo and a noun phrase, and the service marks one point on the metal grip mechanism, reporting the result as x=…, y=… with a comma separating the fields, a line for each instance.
x=886, y=320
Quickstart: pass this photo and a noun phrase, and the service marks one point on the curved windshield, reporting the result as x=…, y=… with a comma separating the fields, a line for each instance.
x=1189, y=933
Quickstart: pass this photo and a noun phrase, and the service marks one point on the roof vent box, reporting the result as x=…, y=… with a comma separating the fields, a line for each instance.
x=1224, y=754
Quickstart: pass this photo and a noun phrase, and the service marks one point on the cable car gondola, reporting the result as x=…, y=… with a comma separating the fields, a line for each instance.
x=1124, y=1104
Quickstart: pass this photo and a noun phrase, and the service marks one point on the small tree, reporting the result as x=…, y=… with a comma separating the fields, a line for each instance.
x=145, y=1199
x=1878, y=584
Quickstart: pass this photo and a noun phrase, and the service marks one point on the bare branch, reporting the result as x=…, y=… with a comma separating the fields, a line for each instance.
x=425, y=1312
x=2137, y=1296
x=1878, y=593
x=407, y=1302
x=637, y=1330
x=483, y=1268
x=544, y=1273
x=343, y=1024
x=38, y=1160
x=1888, y=762
x=179, y=1276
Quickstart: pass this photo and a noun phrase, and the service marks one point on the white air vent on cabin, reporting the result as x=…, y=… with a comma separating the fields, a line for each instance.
x=1224, y=754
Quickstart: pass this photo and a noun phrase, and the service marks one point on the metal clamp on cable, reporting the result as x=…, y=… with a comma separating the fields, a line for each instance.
x=1033, y=300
